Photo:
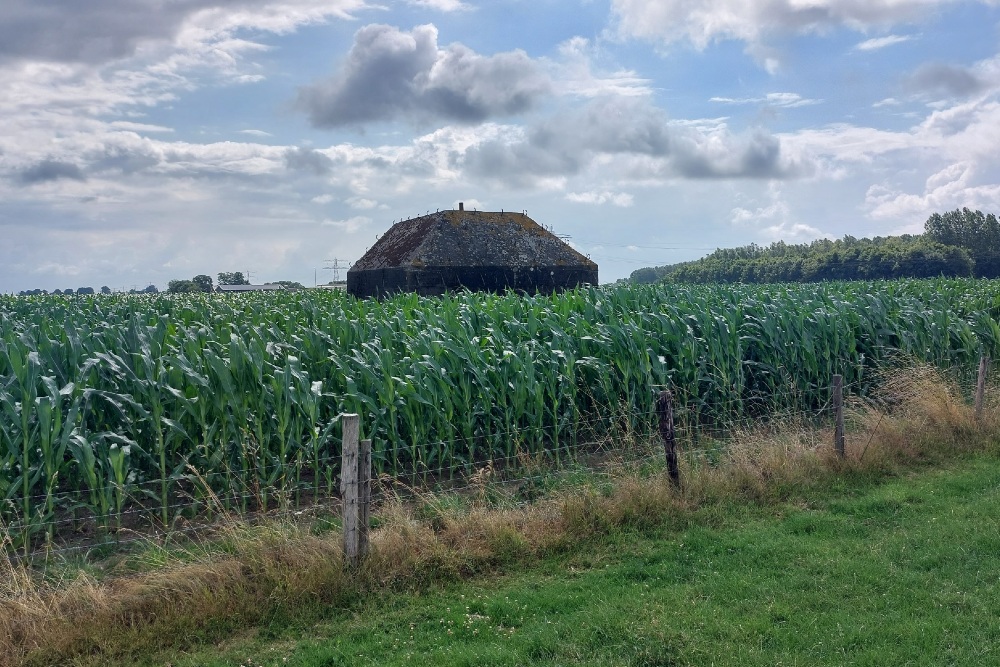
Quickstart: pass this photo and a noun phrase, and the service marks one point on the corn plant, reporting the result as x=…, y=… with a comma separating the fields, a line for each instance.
x=112, y=406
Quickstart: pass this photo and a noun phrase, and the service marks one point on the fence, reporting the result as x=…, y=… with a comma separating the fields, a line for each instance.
x=675, y=425
x=357, y=480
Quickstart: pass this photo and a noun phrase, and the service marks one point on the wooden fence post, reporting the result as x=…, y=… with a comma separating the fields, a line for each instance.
x=665, y=412
x=984, y=363
x=349, y=488
x=838, y=409
x=364, y=496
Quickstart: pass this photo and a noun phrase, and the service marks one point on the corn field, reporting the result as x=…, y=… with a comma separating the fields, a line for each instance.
x=134, y=408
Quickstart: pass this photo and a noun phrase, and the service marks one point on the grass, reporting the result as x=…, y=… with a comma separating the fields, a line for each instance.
x=901, y=573
x=774, y=553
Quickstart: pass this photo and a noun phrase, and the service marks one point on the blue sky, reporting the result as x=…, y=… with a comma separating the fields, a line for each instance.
x=147, y=140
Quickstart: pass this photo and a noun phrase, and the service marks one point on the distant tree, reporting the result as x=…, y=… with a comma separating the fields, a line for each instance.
x=846, y=259
x=644, y=276
x=105, y=290
x=290, y=284
x=203, y=283
x=975, y=231
x=182, y=287
x=85, y=290
x=150, y=289
x=233, y=278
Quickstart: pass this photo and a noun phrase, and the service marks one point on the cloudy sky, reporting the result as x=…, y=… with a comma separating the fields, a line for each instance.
x=146, y=140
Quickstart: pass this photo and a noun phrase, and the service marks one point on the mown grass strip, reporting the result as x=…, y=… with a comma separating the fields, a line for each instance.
x=903, y=573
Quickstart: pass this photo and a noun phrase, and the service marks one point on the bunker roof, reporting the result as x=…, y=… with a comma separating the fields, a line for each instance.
x=470, y=238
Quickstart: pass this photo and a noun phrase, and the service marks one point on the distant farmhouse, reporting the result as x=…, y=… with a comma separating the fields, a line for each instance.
x=476, y=250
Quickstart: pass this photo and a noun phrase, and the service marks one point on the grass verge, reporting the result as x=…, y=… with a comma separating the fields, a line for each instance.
x=283, y=575
x=905, y=572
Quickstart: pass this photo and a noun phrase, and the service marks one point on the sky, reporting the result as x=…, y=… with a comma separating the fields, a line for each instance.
x=148, y=140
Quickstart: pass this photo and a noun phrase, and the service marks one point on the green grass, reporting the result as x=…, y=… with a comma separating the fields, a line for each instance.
x=903, y=573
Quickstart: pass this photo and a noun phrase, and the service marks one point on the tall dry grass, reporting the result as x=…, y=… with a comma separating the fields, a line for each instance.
x=251, y=574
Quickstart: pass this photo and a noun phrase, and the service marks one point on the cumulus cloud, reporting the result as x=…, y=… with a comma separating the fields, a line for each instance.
x=50, y=170
x=704, y=21
x=777, y=209
x=945, y=80
x=950, y=188
x=390, y=73
x=567, y=143
x=308, y=159
x=792, y=231
x=98, y=31
x=774, y=221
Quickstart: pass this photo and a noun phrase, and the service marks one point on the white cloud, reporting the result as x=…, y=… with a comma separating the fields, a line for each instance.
x=952, y=187
x=622, y=199
x=138, y=127
x=350, y=225
x=256, y=133
x=636, y=136
x=887, y=102
x=361, y=203
x=881, y=42
x=773, y=221
x=795, y=232
x=574, y=74
x=442, y=5
x=391, y=74
x=780, y=100
x=702, y=22
x=775, y=210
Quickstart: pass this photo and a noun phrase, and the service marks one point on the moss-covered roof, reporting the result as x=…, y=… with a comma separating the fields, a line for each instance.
x=470, y=238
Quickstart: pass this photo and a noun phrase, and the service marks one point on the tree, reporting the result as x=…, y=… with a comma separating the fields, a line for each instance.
x=290, y=284
x=85, y=290
x=233, y=278
x=203, y=283
x=105, y=290
x=182, y=287
x=975, y=231
x=846, y=259
x=150, y=289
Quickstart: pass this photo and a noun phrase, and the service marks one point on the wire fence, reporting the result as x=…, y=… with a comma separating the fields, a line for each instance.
x=197, y=511
x=623, y=439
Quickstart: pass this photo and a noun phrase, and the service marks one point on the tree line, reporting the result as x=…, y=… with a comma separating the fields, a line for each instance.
x=199, y=283
x=148, y=289
x=203, y=283
x=958, y=243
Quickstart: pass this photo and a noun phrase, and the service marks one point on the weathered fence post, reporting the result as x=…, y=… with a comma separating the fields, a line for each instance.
x=364, y=496
x=838, y=410
x=984, y=363
x=665, y=412
x=349, y=488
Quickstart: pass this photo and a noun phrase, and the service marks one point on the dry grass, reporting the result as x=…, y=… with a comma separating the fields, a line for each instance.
x=255, y=573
